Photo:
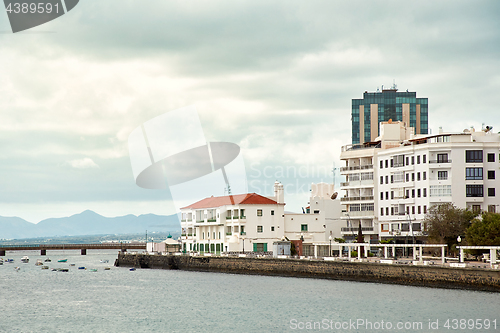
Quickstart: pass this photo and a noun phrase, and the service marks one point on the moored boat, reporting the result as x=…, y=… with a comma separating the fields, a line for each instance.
x=62, y=260
x=48, y=260
x=25, y=259
x=39, y=262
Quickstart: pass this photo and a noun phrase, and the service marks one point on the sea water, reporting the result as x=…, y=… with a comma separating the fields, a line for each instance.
x=147, y=300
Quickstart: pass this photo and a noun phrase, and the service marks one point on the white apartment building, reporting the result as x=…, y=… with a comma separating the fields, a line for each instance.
x=412, y=173
x=251, y=222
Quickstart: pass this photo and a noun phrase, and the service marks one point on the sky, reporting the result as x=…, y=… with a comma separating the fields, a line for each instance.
x=274, y=77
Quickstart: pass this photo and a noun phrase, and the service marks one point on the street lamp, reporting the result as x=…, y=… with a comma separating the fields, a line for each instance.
x=330, y=249
x=459, y=239
x=243, y=238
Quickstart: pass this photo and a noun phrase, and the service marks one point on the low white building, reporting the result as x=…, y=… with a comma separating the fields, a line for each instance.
x=251, y=222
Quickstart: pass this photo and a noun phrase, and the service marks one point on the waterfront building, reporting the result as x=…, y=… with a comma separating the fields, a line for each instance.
x=377, y=107
x=251, y=222
x=401, y=175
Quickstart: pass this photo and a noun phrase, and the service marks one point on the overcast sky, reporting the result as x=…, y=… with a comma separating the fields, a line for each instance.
x=275, y=77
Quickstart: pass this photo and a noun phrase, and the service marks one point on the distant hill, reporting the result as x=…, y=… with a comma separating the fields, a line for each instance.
x=87, y=223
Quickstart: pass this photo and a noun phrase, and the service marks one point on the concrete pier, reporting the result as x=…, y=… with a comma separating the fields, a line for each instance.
x=424, y=276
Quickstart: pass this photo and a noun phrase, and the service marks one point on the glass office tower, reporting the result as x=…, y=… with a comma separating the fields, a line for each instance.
x=376, y=107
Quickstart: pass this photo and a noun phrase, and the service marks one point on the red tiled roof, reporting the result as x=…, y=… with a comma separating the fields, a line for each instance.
x=239, y=199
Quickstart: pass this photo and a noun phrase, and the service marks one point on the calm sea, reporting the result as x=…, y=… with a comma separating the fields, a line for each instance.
x=119, y=300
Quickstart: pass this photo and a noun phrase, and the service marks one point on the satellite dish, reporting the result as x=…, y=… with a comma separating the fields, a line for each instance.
x=334, y=195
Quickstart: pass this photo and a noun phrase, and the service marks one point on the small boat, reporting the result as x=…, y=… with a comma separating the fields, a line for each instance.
x=1, y=261
x=60, y=269
x=62, y=260
x=132, y=269
x=17, y=269
x=93, y=270
x=72, y=264
x=48, y=260
x=9, y=260
x=81, y=267
x=25, y=259
x=105, y=261
x=39, y=262
x=45, y=267
x=107, y=268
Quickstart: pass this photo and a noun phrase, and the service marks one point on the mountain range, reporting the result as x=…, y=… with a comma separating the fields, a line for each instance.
x=86, y=223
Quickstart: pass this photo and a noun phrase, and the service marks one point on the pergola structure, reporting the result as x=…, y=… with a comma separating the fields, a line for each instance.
x=366, y=247
x=493, y=252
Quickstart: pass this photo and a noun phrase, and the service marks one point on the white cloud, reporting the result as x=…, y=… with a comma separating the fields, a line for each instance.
x=83, y=163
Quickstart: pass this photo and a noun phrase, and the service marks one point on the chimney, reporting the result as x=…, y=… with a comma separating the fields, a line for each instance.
x=279, y=193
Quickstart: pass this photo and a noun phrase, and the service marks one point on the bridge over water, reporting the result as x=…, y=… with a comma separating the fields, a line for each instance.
x=43, y=248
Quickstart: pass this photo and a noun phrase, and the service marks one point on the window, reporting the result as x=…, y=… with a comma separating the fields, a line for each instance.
x=418, y=210
x=474, y=173
x=316, y=212
x=259, y=213
x=407, y=194
x=392, y=194
x=491, y=157
x=473, y=190
x=491, y=209
x=392, y=163
x=367, y=176
x=413, y=193
x=413, y=176
x=476, y=208
x=407, y=177
x=418, y=159
x=386, y=210
x=442, y=158
x=367, y=207
x=272, y=212
x=382, y=211
x=424, y=175
x=381, y=195
x=387, y=179
x=386, y=195
x=474, y=156
x=418, y=176
x=392, y=179
x=385, y=227
x=413, y=210
x=440, y=191
x=442, y=175
x=424, y=158
x=407, y=160
x=392, y=210
x=412, y=160
x=425, y=192
x=491, y=174
x=272, y=228
x=303, y=227
x=425, y=209
x=386, y=163
x=491, y=192
x=418, y=193
x=381, y=179
x=259, y=228
x=381, y=164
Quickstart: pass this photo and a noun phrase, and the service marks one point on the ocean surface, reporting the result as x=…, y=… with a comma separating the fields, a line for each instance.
x=146, y=300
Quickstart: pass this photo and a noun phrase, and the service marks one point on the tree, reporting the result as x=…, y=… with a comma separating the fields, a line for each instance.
x=484, y=230
x=445, y=222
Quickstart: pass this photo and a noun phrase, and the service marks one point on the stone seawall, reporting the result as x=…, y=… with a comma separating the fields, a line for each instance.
x=425, y=276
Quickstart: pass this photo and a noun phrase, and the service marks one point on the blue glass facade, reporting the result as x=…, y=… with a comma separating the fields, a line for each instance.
x=389, y=106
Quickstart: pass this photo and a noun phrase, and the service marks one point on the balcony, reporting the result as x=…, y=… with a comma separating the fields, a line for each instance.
x=363, y=229
x=439, y=161
x=368, y=213
x=370, y=197
x=212, y=220
x=357, y=167
x=358, y=183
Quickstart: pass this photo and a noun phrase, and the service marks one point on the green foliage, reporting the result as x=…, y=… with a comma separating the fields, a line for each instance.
x=485, y=230
x=339, y=240
x=445, y=223
x=293, y=250
x=354, y=253
x=386, y=241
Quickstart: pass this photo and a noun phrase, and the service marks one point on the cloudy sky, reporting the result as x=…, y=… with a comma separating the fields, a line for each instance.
x=274, y=77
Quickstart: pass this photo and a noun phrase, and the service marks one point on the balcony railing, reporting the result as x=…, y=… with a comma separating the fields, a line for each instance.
x=370, y=197
x=357, y=167
x=439, y=161
x=356, y=229
x=359, y=213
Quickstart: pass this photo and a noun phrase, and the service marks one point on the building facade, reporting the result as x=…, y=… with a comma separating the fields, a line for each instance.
x=377, y=107
x=413, y=172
